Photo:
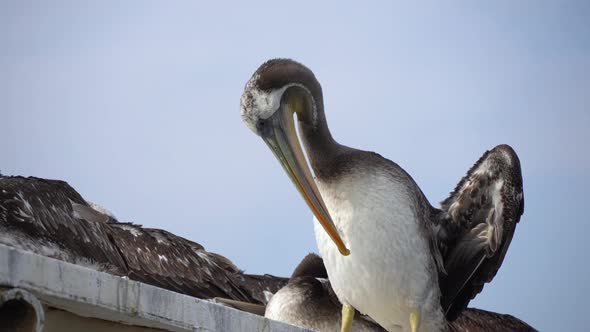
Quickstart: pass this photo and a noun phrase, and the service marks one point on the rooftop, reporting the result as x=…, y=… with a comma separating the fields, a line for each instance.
x=38, y=293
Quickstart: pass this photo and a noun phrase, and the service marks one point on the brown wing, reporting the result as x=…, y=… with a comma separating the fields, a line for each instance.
x=477, y=320
x=50, y=218
x=158, y=257
x=478, y=221
x=37, y=215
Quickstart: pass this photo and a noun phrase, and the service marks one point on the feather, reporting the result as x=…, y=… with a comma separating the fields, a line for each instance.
x=478, y=221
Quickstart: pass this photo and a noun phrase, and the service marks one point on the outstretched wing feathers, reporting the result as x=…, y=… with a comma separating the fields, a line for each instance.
x=50, y=218
x=479, y=218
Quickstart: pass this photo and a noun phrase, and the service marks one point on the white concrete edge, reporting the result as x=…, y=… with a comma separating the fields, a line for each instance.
x=91, y=293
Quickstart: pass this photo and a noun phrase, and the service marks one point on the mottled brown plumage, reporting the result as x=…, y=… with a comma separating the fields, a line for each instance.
x=490, y=195
x=477, y=320
x=37, y=215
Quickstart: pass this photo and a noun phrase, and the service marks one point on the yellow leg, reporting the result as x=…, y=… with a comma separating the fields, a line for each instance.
x=414, y=320
x=347, y=317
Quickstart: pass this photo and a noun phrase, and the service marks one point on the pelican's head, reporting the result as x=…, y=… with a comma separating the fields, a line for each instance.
x=279, y=89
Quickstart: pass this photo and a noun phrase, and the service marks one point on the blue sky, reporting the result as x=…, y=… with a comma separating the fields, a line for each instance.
x=136, y=105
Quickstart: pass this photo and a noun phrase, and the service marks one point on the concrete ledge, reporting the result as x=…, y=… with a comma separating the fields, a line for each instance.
x=89, y=293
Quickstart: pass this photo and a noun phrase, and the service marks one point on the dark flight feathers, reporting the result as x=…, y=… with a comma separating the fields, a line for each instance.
x=50, y=218
x=477, y=223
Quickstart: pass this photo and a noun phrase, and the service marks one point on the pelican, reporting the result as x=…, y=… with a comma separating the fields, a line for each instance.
x=388, y=252
x=50, y=218
x=309, y=301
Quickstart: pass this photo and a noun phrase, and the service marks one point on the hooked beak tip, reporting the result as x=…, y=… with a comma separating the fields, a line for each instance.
x=344, y=251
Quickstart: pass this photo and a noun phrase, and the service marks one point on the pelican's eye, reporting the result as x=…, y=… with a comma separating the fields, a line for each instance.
x=262, y=127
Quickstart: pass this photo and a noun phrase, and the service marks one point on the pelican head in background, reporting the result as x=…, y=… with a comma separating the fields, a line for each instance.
x=388, y=252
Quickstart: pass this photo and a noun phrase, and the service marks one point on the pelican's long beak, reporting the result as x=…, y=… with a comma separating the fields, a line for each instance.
x=282, y=140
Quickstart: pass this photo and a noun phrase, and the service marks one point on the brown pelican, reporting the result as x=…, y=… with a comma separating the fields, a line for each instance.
x=50, y=218
x=411, y=266
x=309, y=301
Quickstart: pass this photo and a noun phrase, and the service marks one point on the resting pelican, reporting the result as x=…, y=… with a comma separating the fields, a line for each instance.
x=50, y=218
x=388, y=252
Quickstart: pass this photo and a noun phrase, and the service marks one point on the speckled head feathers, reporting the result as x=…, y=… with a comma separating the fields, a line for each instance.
x=263, y=92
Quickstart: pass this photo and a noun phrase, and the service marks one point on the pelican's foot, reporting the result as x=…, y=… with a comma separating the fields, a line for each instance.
x=414, y=319
x=347, y=317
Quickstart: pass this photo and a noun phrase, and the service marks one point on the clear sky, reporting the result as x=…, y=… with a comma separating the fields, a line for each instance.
x=136, y=105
